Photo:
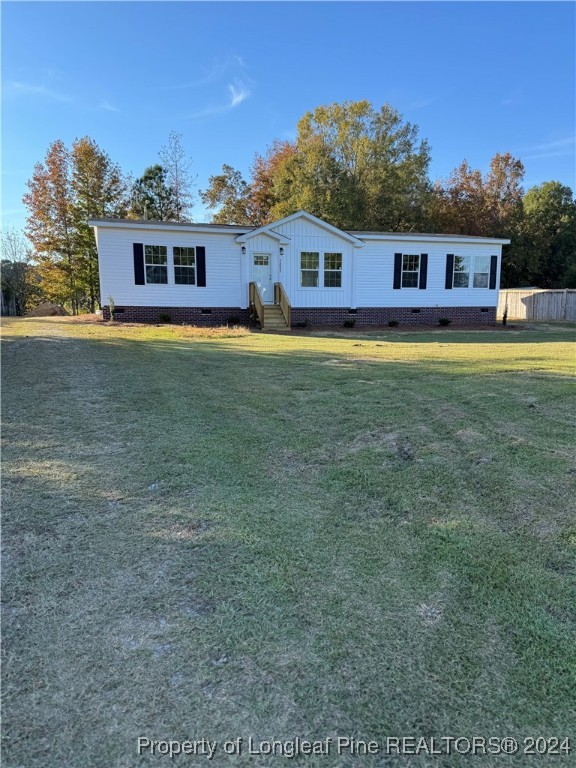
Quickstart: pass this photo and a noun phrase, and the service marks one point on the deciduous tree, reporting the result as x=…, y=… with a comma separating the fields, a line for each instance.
x=356, y=167
x=98, y=191
x=352, y=165
x=19, y=287
x=65, y=191
x=549, y=233
x=50, y=225
x=179, y=179
x=229, y=193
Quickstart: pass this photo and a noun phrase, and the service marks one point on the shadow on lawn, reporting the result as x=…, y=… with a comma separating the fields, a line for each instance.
x=149, y=547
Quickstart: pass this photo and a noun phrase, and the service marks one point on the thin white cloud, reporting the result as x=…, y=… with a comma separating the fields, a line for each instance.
x=557, y=148
x=105, y=105
x=552, y=145
x=216, y=71
x=543, y=155
x=414, y=105
x=17, y=88
x=238, y=92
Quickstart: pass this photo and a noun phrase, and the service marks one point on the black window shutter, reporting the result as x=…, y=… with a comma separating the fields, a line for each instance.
x=139, y=277
x=493, y=269
x=201, y=266
x=397, y=270
x=449, y=270
x=423, y=270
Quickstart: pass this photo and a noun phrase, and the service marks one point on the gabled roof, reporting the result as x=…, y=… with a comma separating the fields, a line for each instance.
x=269, y=229
x=266, y=230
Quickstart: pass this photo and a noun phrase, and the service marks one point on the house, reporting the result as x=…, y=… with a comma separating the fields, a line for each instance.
x=297, y=270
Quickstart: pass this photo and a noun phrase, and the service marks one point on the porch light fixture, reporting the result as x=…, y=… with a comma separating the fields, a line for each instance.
x=243, y=250
x=281, y=251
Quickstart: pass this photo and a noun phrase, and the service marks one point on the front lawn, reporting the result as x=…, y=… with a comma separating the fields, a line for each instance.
x=232, y=534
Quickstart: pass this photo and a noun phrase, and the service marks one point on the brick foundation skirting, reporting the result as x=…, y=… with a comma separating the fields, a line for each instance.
x=191, y=315
x=403, y=315
x=310, y=316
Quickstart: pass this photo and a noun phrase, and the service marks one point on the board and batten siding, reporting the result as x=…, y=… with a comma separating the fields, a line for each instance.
x=374, y=275
x=307, y=236
x=225, y=272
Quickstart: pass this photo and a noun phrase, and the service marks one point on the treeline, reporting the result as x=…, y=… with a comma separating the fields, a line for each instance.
x=72, y=186
x=355, y=166
x=365, y=169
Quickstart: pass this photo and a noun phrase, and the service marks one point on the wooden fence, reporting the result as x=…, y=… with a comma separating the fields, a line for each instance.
x=538, y=304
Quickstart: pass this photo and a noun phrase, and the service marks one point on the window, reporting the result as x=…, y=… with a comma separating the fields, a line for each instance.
x=461, y=271
x=481, y=271
x=156, y=263
x=332, y=270
x=312, y=263
x=309, y=267
x=184, y=266
x=261, y=259
x=410, y=270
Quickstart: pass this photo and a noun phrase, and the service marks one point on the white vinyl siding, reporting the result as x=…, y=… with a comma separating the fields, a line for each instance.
x=226, y=285
x=308, y=237
x=374, y=275
x=366, y=275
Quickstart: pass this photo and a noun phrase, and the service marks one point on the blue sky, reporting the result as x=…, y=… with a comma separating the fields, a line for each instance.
x=477, y=78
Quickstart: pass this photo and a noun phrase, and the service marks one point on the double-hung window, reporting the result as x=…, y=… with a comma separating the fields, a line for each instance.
x=309, y=269
x=184, y=266
x=461, y=271
x=156, y=263
x=481, y=271
x=410, y=270
x=314, y=263
x=332, y=270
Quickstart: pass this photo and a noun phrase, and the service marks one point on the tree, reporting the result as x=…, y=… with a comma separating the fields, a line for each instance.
x=254, y=203
x=503, y=195
x=178, y=175
x=152, y=197
x=230, y=193
x=549, y=233
x=352, y=165
x=64, y=193
x=50, y=226
x=356, y=167
x=468, y=203
x=99, y=191
x=19, y=288
x=458, y=205
x=266, y=169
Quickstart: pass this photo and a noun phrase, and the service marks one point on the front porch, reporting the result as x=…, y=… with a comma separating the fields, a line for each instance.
x=271, y=316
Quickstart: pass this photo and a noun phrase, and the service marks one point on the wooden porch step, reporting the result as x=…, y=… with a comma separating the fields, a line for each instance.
x=274, y=318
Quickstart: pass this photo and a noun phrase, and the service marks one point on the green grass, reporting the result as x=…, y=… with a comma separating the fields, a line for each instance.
x=225, y=534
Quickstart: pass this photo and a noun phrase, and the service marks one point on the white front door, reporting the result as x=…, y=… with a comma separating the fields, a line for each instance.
x=262, y=275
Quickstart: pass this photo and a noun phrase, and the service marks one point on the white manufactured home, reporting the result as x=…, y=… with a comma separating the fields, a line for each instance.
x=298, y=270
